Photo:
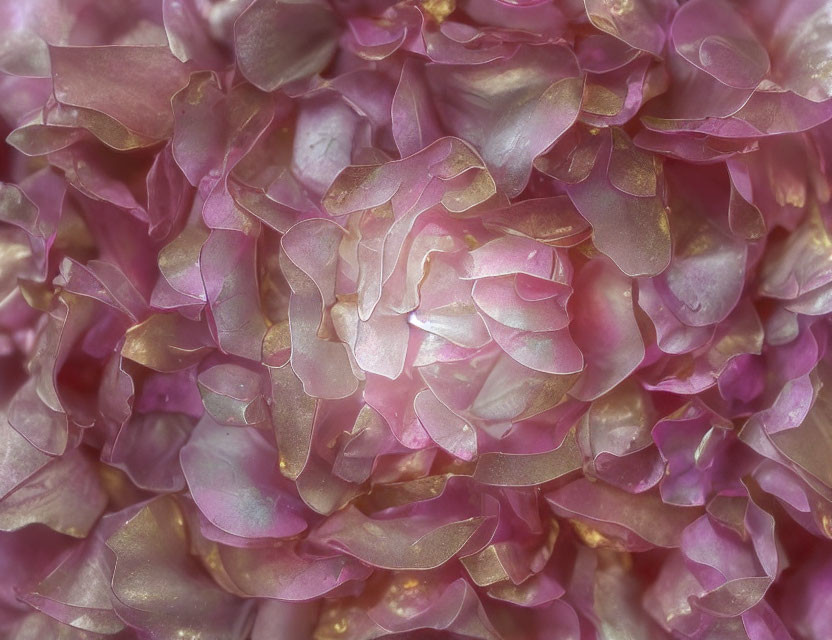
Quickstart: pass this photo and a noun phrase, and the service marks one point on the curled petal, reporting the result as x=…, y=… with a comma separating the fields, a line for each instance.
x=609, y=517
x=705, y=278
x=166, y=342
x=526, y=470
x=499, y=299
x=401, y=543
x=800, y=264
x=381, y=344
x=228, y=266
x=613, y=98
x=639, y=23
x=77, y=592
x=189, y=33
x=633, y=231
x=415, y=122
x=179, y=263
x=160, y=587
x=233, y=395
x=293, y=416
x=604, y=328
x=280, y=572
x=326, y=131
x=448, y=430
x=322, y=365
x=615, y=434
x=553, y=221
x=509, y=255
x=104, y=282
x=741, y=333
x=19, y=460
x=672, y=336
x=393, y=400
x=807, y=445
x=404, y=183
x=455, y=607
x=544, y=351
x=65, y=495
x=370, y=436
x=713, y=36
x=801, y=49
x=147, y=450
x=512, y=392
x=690, y=440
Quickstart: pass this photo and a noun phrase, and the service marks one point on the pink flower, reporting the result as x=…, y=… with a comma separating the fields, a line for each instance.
x=483, y=319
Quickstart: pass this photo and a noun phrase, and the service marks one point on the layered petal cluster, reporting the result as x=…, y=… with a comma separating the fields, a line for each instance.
x=437, y=319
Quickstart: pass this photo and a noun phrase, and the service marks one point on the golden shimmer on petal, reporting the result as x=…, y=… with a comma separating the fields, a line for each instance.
x=593, y=538
x=160, y=585
x=826, y=525
x=609, y=558
x=600, y=100
x=631, y=170
x=480, y=189
x=165, y=342
x=37, y=295
x=485, y=567
x=181, y=254
x=338, y=617
x=64, y=495
x=120, y=491
x=529, y=469
x=439, y=9
x=385, y=496
x=277, y=344
x=400, y=543
x=293, y=415
x=603, y=23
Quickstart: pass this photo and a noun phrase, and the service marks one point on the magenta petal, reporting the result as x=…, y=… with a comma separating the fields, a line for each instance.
x=228, y=268
x=635, y=521
x=281, y=573
x=65, y=495
x=512, y=125
x=544, y=351
x=448, y=430
x=277, y=42
x=631, y=230
x=381, y=344
x=641, y=24
x=714, y=37
x=401, y=543
x=604, y=328
x=801, y=49
x=415, y=123
x=131, y=84
x=77, y=592
x=499, y=299
x=425, y=319
x=189, y=33
x=20, y=459
x=147, y=450
x=158, y=586
x=251, y=506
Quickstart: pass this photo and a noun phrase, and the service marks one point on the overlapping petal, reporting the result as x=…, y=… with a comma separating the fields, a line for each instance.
x=486, y=319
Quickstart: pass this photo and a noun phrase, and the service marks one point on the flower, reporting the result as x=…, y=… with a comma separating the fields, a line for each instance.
x=484, y=319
